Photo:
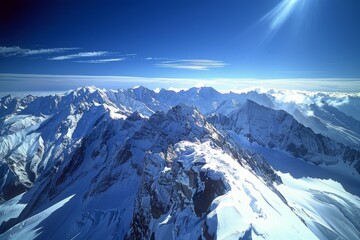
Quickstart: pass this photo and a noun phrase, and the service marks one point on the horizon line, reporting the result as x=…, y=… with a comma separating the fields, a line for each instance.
x=14, y=82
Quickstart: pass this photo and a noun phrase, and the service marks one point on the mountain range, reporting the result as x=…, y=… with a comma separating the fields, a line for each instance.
x=194, y=164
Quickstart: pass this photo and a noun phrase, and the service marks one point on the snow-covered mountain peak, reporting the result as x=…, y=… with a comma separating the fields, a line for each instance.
x=140, y=88
x=179, y=123
x=6, y=99
x=182, y=111
x=255, y=109
x=86, y=90
x=142, y=93
x=278, y=129
x=89, y=94
x=140, y=164
x=204, y=92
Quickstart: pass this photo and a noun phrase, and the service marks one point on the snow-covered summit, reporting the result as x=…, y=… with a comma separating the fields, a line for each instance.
x=141, y=164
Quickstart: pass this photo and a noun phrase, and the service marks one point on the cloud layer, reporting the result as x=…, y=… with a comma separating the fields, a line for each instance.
x=39, y=82
x=192, y=64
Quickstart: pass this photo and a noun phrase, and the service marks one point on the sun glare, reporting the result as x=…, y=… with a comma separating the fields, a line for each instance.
x=278, y=15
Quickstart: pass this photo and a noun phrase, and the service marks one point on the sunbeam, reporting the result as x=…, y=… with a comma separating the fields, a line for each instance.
x=278, y=15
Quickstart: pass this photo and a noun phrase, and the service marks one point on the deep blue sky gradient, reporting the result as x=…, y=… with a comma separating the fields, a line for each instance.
x=319, y=40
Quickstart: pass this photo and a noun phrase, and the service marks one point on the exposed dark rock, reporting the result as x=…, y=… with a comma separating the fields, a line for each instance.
x=124, y=154
x=203, y=198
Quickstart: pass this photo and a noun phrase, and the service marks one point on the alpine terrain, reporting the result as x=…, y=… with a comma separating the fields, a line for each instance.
x=194, y=164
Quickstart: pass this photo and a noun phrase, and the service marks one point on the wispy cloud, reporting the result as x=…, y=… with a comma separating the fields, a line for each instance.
x=130, y=54
x=80, y=55
x=57, y=54
x=18, y=51
x=103, y=60
x=155, y=58
x=192, y=64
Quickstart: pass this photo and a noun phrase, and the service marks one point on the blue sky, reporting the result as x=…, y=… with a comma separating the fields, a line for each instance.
x=182, y=41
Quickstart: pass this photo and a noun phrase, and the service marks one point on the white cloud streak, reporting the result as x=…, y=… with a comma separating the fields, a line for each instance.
x=192, y=64
x=80, y=55
x=21, y=52
x=18, y=51
x=103, y=60
x=155, y=58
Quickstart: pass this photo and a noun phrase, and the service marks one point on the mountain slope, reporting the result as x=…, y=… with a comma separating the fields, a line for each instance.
x=111, y=165
x=278, y=129
x=43, y=131
x=322, y=112
x=334, y=115
x=98, y=176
